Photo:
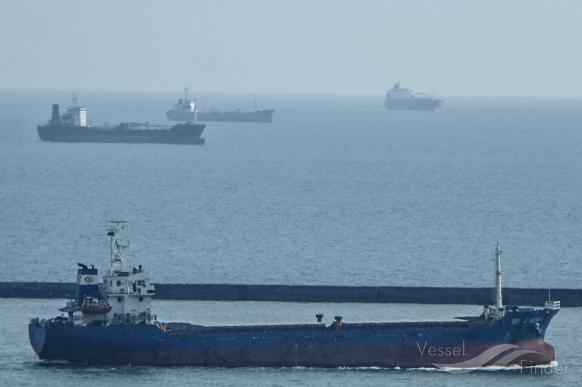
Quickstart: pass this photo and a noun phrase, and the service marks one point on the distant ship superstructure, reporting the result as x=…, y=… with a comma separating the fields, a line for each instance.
x=183, y=110
x=186, y=110
x=75, y=115
x=72, y=126
x=399, y=98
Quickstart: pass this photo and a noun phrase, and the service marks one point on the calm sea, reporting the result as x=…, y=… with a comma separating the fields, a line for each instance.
x=335, y=191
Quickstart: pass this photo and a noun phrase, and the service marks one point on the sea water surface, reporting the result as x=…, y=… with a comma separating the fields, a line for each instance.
x=335, y=191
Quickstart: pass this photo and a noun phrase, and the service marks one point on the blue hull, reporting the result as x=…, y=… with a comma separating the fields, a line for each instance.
x=401, y=344
x=186, y=133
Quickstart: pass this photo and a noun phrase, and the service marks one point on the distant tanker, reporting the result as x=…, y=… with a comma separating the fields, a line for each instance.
x=185, y=110
x=72, y=127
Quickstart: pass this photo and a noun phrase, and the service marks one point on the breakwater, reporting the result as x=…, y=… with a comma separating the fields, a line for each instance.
x=319, y=293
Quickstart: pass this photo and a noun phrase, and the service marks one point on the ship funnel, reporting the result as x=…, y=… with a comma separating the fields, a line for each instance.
x=55, y=116
x=87, y=283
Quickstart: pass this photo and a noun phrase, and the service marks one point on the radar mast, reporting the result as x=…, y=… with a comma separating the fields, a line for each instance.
x=114, y=228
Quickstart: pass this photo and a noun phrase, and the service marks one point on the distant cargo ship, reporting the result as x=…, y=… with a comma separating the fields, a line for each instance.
x=398, y=98
x=72, y=126
x=111, y=322
x=185, y=110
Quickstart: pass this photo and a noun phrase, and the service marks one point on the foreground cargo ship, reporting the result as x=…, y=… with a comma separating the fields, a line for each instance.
x=185, y=110
x=111, y=322
x=72, y=126
x=399, y=98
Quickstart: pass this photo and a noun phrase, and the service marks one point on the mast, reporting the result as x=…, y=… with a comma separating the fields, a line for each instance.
x=498, y=296
x=116, y=246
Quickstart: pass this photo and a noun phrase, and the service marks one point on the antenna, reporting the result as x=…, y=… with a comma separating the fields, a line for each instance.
x=498, y=296
x=549, y=294
x=115, y=227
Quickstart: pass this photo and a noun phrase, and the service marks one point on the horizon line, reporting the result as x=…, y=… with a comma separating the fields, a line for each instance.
x=259, y=93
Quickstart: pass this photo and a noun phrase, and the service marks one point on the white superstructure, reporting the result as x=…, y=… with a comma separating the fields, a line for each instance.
x=403, y=93
x=399, y=98
x=75, y=115
x=124, y=297
x=128, y=292
x=184, y=109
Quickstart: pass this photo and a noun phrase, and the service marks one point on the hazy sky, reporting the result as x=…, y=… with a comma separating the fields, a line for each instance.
x=491, y=48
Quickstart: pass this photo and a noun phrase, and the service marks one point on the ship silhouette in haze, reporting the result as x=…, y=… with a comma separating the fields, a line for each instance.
x=186, y=110
x=399, y=98
x=72, y=126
